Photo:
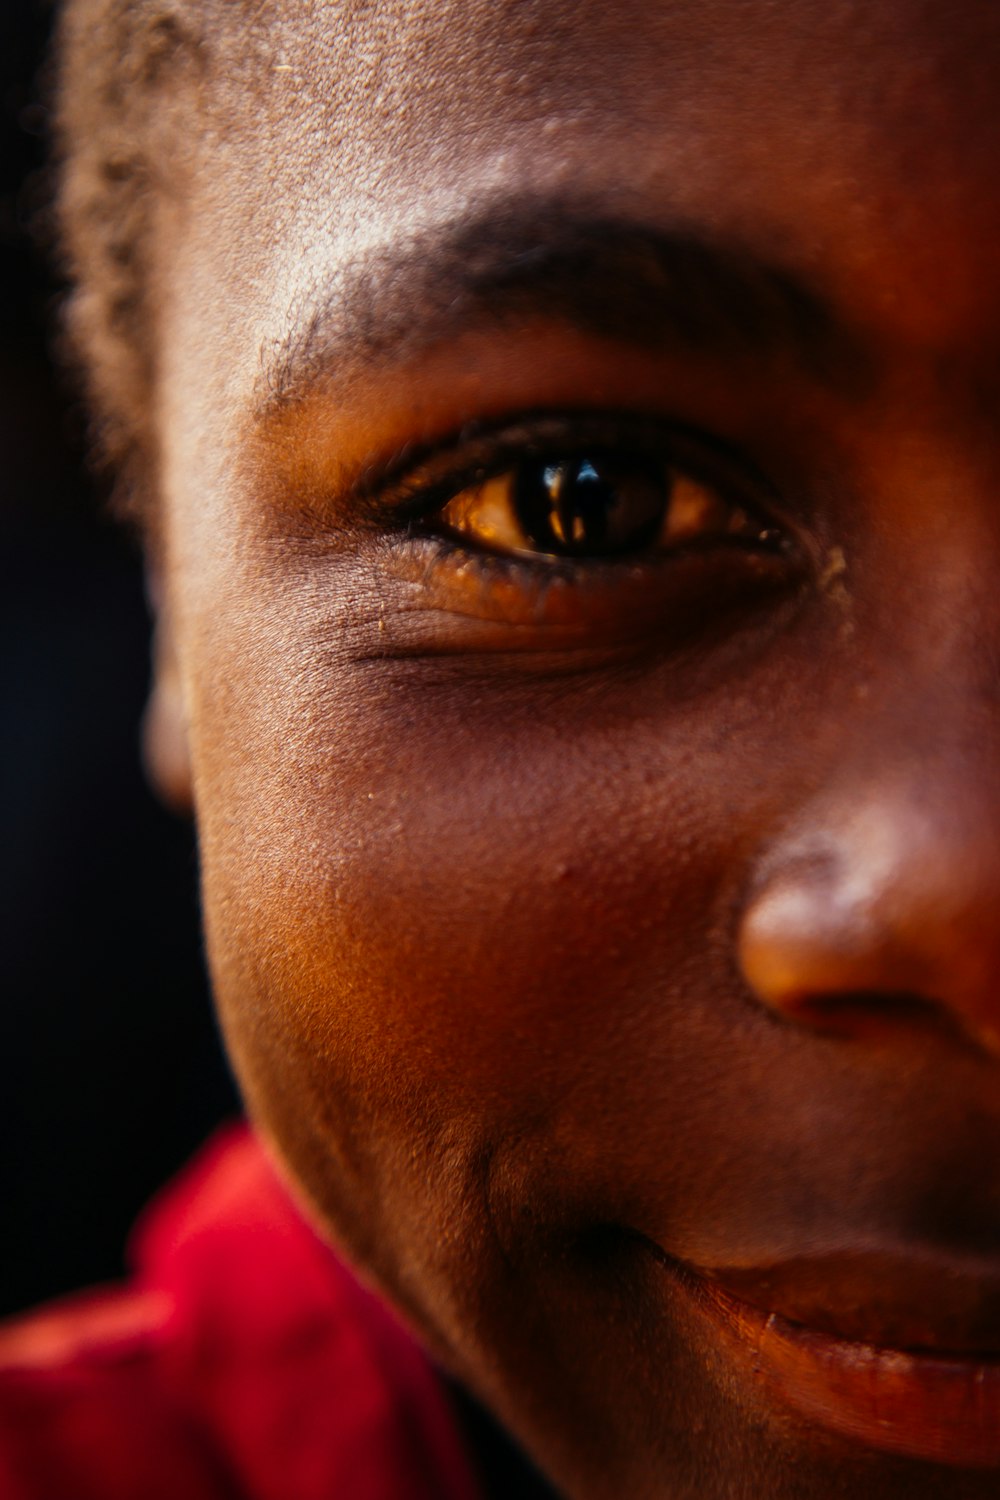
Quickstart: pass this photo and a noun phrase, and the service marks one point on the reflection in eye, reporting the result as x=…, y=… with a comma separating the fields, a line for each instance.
x=601, y=505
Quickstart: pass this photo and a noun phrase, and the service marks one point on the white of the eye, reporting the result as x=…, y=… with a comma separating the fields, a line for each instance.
x=488, y=514
x=694, y=510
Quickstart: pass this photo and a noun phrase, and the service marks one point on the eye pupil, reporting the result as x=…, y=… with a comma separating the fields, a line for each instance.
x=597, y=505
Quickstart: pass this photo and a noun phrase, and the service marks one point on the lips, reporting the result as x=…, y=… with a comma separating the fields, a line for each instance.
x=893, y=1353
x=911, y=1303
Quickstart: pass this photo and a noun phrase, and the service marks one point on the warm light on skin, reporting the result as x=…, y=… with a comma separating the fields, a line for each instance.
x=490, y=850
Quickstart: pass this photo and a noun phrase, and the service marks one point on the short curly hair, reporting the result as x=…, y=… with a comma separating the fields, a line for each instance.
x=117, y=66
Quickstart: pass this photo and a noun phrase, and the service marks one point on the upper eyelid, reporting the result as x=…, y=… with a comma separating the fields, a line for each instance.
x=410, y=483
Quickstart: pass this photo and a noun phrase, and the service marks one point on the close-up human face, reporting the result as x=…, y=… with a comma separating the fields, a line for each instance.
x=577, y=517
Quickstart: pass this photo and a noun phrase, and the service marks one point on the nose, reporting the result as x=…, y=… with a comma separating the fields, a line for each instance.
x=882, y=906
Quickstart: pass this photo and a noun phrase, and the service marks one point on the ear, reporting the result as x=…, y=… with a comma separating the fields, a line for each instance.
x=165, y=724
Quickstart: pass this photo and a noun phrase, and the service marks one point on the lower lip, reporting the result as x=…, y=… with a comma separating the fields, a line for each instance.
x=939, y=1408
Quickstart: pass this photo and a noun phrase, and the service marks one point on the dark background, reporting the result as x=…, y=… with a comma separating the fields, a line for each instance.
x=110, y=1067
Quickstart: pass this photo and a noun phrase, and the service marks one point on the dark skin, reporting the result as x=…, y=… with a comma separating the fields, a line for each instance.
x=585, y=924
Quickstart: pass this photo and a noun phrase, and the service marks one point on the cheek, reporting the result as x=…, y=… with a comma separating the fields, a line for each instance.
x=480, y=903
x=436, y=926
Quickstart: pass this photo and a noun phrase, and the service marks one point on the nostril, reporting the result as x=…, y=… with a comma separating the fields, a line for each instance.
x=827, y=950
x=838, y=968
x=867, y=1014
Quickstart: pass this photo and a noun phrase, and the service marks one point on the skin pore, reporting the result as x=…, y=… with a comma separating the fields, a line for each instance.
x=595, y=926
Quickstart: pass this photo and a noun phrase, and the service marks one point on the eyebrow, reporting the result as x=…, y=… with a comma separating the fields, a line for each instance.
x=638, y=284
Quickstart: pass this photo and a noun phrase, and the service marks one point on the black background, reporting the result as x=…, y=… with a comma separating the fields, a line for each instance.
x=110, y=1067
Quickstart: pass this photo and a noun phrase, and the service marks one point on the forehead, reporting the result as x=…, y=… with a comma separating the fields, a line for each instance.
x=410, y=72
x=855, y=144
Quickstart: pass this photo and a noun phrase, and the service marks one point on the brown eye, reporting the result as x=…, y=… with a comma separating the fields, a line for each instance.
x=596, y=505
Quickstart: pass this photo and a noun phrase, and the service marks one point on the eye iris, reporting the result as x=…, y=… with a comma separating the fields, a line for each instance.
x=599, y=505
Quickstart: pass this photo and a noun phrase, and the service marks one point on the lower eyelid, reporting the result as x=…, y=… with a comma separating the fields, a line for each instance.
x=533, y=573
x=461, y=601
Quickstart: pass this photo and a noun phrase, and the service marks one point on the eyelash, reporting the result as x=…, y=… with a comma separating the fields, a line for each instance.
x=406, y=494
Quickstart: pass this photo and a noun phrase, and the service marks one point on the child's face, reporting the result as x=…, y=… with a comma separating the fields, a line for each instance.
x=578, y=919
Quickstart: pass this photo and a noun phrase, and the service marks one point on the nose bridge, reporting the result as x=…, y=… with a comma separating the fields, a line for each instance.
x=887, y=884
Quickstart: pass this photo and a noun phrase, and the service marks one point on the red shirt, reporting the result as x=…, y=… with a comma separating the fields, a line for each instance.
x=244, y=1362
